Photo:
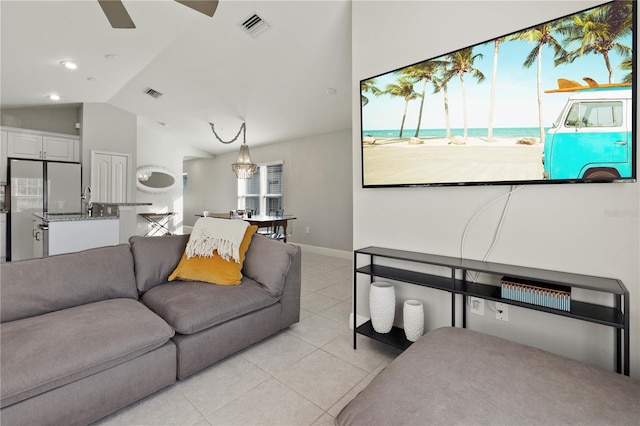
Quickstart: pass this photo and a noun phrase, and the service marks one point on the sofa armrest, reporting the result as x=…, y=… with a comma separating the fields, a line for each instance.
x=277, y=267
x=290, y=299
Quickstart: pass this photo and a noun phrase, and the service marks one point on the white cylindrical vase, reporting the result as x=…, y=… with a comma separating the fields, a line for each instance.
x=382, y=306
x=413, y=316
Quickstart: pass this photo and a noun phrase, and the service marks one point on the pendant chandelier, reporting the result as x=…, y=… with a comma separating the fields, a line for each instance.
x=244, y=168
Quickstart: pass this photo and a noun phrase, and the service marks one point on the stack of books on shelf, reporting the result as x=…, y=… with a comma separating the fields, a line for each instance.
x=550, y=296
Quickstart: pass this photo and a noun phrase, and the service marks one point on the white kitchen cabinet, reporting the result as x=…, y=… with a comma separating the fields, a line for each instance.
x=57, y=148
x=70, y=233
x=71, y=236
x=36, y=145
x=24, y=145
x=109, y=177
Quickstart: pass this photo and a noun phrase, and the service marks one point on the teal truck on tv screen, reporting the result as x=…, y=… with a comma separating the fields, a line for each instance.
x=592, y=137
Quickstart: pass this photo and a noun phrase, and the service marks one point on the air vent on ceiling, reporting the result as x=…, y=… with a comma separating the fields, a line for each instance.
x=153, y=93
x=254, y=25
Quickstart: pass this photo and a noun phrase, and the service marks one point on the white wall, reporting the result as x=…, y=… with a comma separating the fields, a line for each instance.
x=102, y=127
x=110, y=129
x=562, y=227
x=317, y=186
x=157, y=148
x=59, y=118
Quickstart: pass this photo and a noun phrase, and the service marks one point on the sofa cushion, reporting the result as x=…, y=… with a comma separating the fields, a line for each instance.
x=267, y=262
x=37, y=286
x=155, y=258
x=47, y=351
x=191, y=306
x=214, y=269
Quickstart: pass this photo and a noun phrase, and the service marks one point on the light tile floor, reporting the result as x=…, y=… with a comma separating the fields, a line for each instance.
x=302, y=376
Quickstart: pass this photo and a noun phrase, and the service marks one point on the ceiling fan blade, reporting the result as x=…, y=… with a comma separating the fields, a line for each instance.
x=208, y=7
x=116, y=14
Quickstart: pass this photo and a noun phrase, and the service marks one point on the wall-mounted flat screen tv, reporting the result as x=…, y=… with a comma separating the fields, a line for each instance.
x=553, y=103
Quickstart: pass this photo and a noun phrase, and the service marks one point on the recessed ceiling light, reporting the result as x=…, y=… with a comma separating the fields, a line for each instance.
x=111, y=56
x=70, y=65
x=331, y=91
x=54, y=97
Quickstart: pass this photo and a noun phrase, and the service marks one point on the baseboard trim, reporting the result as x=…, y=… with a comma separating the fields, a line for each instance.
x=359, y=318
x=325, y=251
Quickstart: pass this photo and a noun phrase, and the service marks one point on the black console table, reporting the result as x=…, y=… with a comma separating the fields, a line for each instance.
x=616, y=316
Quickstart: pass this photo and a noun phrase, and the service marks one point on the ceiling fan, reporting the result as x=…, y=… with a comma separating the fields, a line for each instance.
x=119, y=17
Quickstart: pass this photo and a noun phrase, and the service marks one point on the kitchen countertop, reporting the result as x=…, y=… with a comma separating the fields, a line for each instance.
x=126, y=204
x=70, y=217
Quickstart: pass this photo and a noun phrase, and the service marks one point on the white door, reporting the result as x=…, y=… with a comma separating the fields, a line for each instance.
x=101, y=175
x=109, y=177
x=119, y=181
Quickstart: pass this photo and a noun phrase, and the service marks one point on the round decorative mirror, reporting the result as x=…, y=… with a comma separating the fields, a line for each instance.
x=155, y=179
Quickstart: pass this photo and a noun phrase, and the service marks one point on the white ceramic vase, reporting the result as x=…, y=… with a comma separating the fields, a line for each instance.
x=382, y=306
x=413, y=316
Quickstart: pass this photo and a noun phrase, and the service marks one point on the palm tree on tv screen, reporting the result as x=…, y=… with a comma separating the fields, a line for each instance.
x=627, y=65
x=540, y=36
x=597, y=31
x=440, y=85
x=403, y=88
x=425, y=72
x=460, y=63
x=492, y=99
x=368, y=86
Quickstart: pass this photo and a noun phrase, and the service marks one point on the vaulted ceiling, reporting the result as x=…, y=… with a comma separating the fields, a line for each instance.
x=289, y=82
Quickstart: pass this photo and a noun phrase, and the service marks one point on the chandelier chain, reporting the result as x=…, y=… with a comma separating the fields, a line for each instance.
x=244, y=134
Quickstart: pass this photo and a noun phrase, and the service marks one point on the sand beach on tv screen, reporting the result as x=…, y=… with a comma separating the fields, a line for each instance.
x=398, y=161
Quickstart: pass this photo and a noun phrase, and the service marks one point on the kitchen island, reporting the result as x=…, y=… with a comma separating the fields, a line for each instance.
x=127, y=214
x=66, y=233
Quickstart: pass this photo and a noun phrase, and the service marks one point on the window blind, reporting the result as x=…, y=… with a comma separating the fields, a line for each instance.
x=263, y=192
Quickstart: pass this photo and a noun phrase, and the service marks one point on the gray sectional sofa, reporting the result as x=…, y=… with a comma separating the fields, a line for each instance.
x=85, y=334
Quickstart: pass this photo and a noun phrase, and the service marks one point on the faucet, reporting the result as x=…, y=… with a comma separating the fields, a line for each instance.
x=86, y=198
x=86, y=194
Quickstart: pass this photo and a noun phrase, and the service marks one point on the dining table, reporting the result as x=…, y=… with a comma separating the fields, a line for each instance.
x=261, y=221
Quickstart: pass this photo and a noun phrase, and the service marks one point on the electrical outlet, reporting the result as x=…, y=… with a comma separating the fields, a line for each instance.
x=477, y=305
x=502, y=312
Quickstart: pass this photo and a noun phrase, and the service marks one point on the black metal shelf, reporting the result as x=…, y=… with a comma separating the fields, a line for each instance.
x=616, y=316
x=584, y=311
x=395, y=337
x=412, y=277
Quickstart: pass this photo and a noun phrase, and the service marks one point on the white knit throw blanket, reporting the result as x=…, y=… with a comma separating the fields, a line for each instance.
x=223, y=235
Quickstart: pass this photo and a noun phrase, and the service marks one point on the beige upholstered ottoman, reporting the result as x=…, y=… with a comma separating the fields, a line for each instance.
x=454, y=376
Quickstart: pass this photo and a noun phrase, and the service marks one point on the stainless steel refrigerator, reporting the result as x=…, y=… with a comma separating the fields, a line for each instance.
x=38, y=187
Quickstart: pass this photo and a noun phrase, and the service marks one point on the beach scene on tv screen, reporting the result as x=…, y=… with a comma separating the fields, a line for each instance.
x=550, y=102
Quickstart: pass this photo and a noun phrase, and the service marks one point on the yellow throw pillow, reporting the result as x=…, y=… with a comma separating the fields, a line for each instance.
x=214, y=269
